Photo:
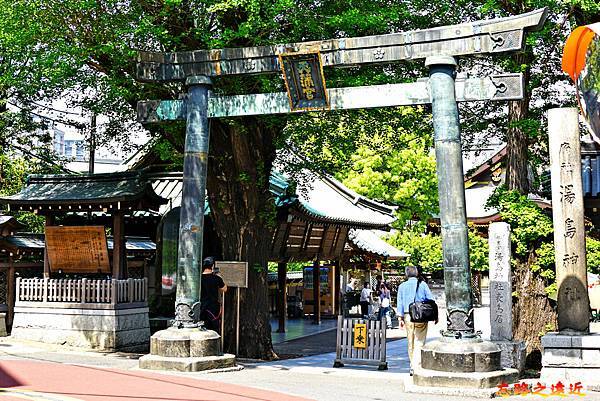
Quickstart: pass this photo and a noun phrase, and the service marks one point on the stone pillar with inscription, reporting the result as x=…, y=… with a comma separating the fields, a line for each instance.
x=571, y=354
x=501, y=322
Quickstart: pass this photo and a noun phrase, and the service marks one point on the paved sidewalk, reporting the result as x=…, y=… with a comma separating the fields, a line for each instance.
x=61, y=382
x=300, y=328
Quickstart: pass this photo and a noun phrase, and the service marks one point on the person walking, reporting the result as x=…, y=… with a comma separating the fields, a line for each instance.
x=385, y=299
x=365, y=299
x=410, y=291
x=211, y=286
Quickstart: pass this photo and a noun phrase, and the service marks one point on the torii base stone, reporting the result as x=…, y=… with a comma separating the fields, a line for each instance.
x=186, y=350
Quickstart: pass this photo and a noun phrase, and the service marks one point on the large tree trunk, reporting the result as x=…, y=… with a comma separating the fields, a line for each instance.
x=517, y=141
x=532, y=312
x=242, y=154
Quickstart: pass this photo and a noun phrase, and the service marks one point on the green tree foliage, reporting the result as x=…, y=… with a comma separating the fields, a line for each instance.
x=84, y=52
x=425, y=250
x=479, y=250
x=592, y=246
x=401, y=176
x=529, y=224
x=13, y=173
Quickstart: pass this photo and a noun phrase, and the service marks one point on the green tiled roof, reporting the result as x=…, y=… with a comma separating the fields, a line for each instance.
x=371, y=241
x=325, y=199
x=89, y=189
x=320, y=197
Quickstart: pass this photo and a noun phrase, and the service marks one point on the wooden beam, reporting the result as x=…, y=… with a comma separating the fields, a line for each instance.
x=495, y=87
x=10, y=292
x=478, y=37
x=119, y=267
x=281, y=295
x=336, y=288
x=317, y=292
x=48, y=223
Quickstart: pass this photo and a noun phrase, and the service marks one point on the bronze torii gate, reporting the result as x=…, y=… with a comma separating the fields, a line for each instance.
x=302, y=67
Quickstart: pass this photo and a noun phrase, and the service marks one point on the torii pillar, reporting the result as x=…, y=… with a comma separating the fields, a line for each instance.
x=460, y=358
x=187, y=346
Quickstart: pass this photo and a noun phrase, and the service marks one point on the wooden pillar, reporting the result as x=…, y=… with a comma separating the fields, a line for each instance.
x=49, y=222
x=281, y=295
x=10, y=292
x=317, y=291
x=336, y=288
x=119, y=267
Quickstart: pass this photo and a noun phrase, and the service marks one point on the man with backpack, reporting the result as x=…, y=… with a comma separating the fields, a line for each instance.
x=412, y=291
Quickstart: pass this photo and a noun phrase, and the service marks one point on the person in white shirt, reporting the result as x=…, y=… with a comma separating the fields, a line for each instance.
x=350, y=286
x=365, y=299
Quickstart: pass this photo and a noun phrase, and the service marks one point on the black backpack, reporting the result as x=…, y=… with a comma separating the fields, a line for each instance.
x=422, y=311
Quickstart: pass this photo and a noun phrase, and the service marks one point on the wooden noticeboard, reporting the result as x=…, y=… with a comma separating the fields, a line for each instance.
x=80, y=249
x=234, y=274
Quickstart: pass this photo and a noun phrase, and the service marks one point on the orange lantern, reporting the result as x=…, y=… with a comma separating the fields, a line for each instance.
x=581, y=61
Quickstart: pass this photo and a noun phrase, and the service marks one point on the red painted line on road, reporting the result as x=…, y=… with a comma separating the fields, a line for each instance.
x=99, y=384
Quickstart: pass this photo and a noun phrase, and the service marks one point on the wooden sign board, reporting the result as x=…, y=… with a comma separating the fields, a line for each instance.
x=304, y=80
x=234, y=274
x=80, y=249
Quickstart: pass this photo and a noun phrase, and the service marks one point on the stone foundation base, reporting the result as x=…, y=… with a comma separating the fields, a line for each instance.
x=3, y=332
x=512, y=354
x=186, y=350
x=472, y=380
x=99, y=329
x=462, y=363
x=190, y=364
x=464, y=392
x=571, y=358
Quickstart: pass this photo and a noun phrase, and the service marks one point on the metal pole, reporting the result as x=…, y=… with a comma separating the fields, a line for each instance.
x=191, y=226
x=317, y=291
x=237, y=322
x=451, y=189
x=281, y=295
x=222, y=321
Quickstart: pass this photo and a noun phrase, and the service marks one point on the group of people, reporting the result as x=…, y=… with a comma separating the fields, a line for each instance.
x=414, y=289
x=381, y=292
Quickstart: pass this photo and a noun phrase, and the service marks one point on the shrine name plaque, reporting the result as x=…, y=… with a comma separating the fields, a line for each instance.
x=234, y=274
x=81, y=249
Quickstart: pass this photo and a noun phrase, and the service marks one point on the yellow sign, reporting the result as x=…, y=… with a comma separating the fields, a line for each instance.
x=360, y=335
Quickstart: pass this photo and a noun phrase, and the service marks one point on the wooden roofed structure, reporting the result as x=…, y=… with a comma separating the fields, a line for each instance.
x=9, y=225
x=314, y=219
x=314, y=222
x=60, y=197
x=480, y=183
x=116, y=194
x=369, y=246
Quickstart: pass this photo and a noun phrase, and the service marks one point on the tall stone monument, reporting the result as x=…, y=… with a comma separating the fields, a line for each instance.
x=501, y=322
x=571, y=354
